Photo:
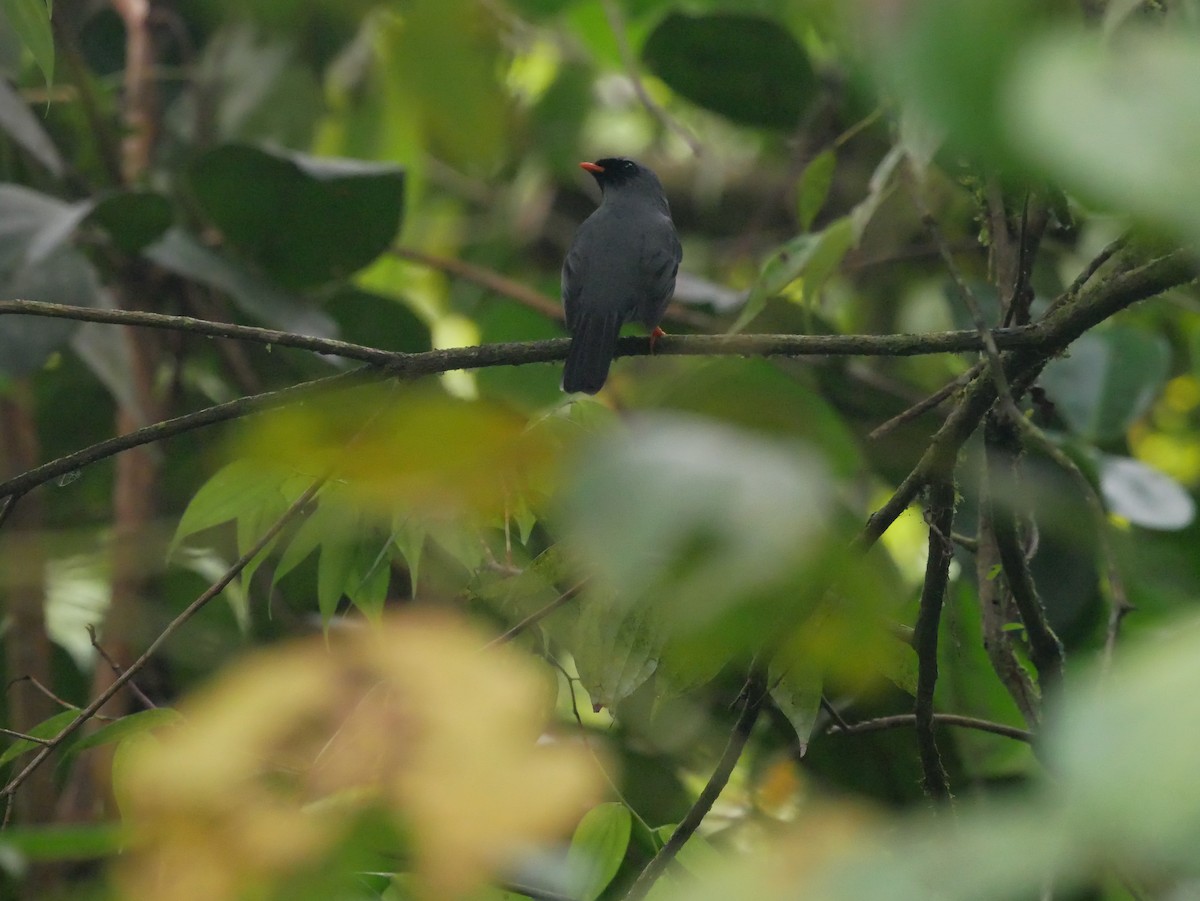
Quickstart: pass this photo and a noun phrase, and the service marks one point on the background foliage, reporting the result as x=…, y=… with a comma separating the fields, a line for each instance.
x=318, y=594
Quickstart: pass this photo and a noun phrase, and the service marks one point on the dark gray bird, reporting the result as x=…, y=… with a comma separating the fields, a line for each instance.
x=621, y=266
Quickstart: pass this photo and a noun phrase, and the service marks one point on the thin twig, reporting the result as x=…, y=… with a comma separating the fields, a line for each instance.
x=21, y=736
x=901, y=720
x=1118, y=596
x=616, y=22
x=116, y=668
x=1091, y=269
x=754, y=695
x=486, y=278
x=929, y=403
x=1045, y=649
x=537, y=616
x=295, y=509
x=969, y=300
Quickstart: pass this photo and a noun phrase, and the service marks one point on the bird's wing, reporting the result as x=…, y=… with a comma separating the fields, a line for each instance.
x=573, y=278
x=659, y=264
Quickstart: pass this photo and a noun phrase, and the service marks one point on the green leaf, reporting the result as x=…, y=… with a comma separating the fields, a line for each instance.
x=24, y=128
x=372, y=575
x=409, y=537
x=131, y=724
x=335, y=569
x=1145, y=496
x=1109, y=379
x=598, y=849
x=814, y=186
x=179, y=252
x=50, y=843
x=748, y=69
x=696, y=536
x=796, y=691
x=45, y=729
x=133, y=219
x=1119, y=123
x=1125, y=747
x=63, y=276
x=812, y=257
x=324, y=524
x=950, y=61
x=305, y=220
x=616, y=648
x=30, y=21
x=235, y=489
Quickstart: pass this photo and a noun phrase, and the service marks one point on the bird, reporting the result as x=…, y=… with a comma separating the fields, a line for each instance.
x=621, y=266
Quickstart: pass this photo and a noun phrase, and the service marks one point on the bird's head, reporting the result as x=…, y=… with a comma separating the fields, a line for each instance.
x=618, y=171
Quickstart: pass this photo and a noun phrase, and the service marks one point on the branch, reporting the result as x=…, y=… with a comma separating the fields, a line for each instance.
x=1067, y=320
x=925, y=633
x=754, y=695
x=297, y=506
x=234, y=409
x=939, y=719
x=1045, y=650
x=519, y=353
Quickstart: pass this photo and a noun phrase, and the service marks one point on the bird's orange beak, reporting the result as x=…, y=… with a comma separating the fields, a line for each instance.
x=591, y=167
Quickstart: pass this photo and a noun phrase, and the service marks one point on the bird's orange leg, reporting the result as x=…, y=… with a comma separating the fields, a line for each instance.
x=654, y=336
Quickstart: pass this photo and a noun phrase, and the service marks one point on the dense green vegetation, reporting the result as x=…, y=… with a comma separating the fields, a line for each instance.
x=875, y=580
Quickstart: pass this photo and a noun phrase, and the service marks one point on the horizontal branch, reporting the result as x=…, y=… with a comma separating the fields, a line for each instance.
x=519, y=353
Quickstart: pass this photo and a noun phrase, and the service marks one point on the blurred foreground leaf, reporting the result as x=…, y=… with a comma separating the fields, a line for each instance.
x=278, y=761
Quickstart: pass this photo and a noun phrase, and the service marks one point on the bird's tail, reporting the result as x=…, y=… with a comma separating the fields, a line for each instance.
x=592, y=347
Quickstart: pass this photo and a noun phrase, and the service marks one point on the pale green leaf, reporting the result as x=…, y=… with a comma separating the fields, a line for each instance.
x=598, y=848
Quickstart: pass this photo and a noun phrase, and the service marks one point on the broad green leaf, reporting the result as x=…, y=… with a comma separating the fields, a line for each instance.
x=414, y=449
x=813, y=188
x=598, y=848
x=1108, y=380
x=30, y=20
x=1145, y=496
x=62, y=843
x=749, y=69
x=1125, y=748
x=63, y=276
x=133, y=219
x=444, y=60
x=616, y=648
x=340, y=214
x=131, y=724
x=1119, y=123
x=23, y=126
x=235, y=489
x=33, y=225
x=949, y=62
x=179, y=252
x=697, y=519
x=45, y=729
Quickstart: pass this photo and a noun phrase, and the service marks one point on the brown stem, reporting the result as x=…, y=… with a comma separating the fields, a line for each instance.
x=925, y=633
